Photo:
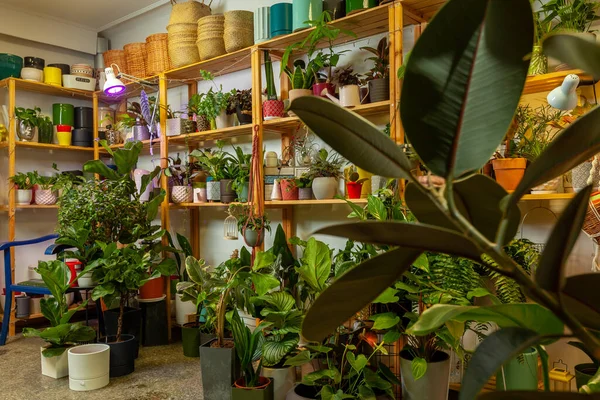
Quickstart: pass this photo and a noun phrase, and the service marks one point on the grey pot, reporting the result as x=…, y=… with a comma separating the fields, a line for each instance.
x=22, y=306
x=379, y=90
x=228, y=194
x=252, y=238
x=141, y=132
x=432, y=386
x=220, y=367
x=305, y=193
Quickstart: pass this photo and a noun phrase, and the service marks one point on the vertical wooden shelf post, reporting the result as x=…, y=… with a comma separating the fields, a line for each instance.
x=395, y=31
x=96, y=143
x=12, y=135
x=257, y=130
x=194, y=211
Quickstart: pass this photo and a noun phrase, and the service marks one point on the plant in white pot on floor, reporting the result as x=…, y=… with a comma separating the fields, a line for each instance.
x=325, y=172
x=61, y=334
x=23, y=184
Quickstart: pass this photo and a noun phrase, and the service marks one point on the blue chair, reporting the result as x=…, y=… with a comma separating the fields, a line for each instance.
x=26, y=287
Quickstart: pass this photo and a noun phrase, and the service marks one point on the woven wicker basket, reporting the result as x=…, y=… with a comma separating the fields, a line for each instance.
x=157, y=54
x=212, y=19
x=115, y=57
x=136, y=59
x=189, y=11
x=211, y=47
x=237, y=38
x=240, y=17
x=182, y=44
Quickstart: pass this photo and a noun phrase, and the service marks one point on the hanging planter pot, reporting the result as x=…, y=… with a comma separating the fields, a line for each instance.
x=90, y=367
x=181, y=194
x=379, y=89
x=433, y=385
x=264, y=390
x=289, y=189
x=228, y=194
x=213, y=191
x=253, y=238
x=324, y=188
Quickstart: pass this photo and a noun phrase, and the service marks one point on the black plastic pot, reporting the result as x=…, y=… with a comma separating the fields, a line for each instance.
x=155, y=330
x=220, y=367
x=228, y=194
x=583, y=374
x=84, y=117
x=379, y=90
x=82, y=135
x=122, y=354
x=306, y=392
x=132, y=323
x=34, y=62
x=190, y=337
x=83, y=144
x=242, y=117
x=65, y=68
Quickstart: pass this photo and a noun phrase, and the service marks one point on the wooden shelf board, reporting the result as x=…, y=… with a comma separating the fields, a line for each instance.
x=31, y=207
x=225, y=64
x=224, y=133
x=272, y=204
x=47, y=146
x=146, y=143
x=547, y=82
x=553, y=196
x=39, y=87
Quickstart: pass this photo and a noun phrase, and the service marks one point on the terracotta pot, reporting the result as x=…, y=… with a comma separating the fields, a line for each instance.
x=289, y=189
x=509, y=172
x=153, y=289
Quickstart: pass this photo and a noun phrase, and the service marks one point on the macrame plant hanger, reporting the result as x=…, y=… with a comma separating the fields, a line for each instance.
x=255, y=208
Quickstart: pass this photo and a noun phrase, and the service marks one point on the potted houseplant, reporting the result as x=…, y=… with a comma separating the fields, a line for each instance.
x=195, y=112
x=243, y=106
x=250, y=226
x=304, y=184
x=289, y=189
x=586, y=371
x=272, y=107
x=354, y=185
x=181, y=177
x=217, y=106
x=379, y=76
x=199, y=192
x=28, y=121
x=46, y=192
x=61, y=334
x=23, y=184
x=348, y=83
x=301, y=79
x=240, y=166
x=247, y=344
x=45, y=129
x=213, y=162
x=325, y=172
x=175, y=125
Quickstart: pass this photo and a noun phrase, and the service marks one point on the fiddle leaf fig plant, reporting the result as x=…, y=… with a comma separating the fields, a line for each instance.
x=468, y=214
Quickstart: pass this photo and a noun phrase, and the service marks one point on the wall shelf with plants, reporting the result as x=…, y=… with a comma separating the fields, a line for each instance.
x=44, y=88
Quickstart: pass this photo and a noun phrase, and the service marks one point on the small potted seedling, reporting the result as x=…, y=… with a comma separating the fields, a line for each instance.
x=304, y=184
x=354, y=185
x=23, y=184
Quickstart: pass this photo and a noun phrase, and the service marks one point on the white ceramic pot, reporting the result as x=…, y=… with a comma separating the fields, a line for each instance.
x=138, y=174
x=175, y=126
x=213, y=191
x=248, y=319
x=89, y=367
x=349, y=96
x=46, y=197
x=224, y=121
x=324, y=188
x=183, y=309
x=32, y=74
x=181, y=194
x=86, y=280
x=200, y=195
x=55, y=367
x=24, y=196
x=284, y=380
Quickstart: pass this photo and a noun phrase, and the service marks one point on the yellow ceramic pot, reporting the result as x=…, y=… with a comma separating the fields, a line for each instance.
x=53, y=76
x=64, y=138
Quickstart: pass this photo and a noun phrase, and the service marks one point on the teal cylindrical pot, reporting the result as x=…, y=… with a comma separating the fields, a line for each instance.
x=358, y=5
x=520, y=373
x=305, y=10
x=261, y=25
x=280, y=19
x=63, y=114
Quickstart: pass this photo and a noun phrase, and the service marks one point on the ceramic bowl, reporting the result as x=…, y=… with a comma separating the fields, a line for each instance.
x=32, y=74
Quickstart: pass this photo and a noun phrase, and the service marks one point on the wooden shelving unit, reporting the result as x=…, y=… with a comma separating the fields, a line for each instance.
x=271, y=204
x=49, y=90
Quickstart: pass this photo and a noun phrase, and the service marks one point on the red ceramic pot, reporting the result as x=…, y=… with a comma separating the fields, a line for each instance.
x=63, y=128
x=289, y=189
x=273, y=109
x=319, y=89
x=153, y=289
x=73, y=267
x=354, y=189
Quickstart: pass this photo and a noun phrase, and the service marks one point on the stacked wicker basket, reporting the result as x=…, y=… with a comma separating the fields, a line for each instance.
x=239, y=30
x=116, y=57
x=183, y=34
x=157, y=54
x=135, y=53
x=210, y=36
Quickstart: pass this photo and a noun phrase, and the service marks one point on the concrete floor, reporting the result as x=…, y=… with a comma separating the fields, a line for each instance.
x=161, y=373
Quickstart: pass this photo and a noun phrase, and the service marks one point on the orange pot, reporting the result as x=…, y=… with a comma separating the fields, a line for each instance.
x=263, y=382
x=153, y=289
x=509, y=172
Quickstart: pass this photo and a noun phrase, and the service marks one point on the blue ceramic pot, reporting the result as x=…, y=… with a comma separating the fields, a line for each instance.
x=305, y=10
x=280, y=19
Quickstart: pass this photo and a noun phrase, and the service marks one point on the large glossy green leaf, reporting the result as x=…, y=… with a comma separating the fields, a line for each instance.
x=549, y=273
x=354, y=290
x=426, y=210
x=279, y=301
x=126, y=157
x=533, y=395
x=263, y=283
x=358, y=363
x=351, y=135
x=463, y=83
x=385, y=320
x=491, y=354
x=575, y=144
x=416, y=236
x=576, y=50
x=526, y=315
x=317, y=264
x=195, y=270
x=273, y=351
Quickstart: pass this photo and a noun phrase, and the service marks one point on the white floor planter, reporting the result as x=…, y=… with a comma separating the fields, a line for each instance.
x=89, y=367
x=55, y=367
x=183, y=309
x=24, y=197
x=324, y=188
x=284, y=380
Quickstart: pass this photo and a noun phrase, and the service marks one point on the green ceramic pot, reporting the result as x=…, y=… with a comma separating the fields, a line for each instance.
x=353, y=6
x=519, y=373
x=305, y=10
x=10, y=66
x=583, y=374
x=280, y=20
x=63, y=114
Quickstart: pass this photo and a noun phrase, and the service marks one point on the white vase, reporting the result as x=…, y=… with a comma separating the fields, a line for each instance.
x=24, y=196
x=181, y=194
x=89, y=367
x=45, y=197
x=284, y=380
x=138, y=174
x=183, y=309
x=55, y=367
x=324, y=188
x=213, y=191
x=349, y=96
x=224, y=120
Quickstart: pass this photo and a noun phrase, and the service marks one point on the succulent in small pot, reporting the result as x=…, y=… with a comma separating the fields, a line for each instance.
x=304, y=184
x=354, y=185
x=24, y=183
x=243, y=106
x=272, y=107
x=379, y=76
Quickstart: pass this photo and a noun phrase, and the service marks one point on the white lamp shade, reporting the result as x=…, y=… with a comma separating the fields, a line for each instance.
x=564, y=97
x=113, y=86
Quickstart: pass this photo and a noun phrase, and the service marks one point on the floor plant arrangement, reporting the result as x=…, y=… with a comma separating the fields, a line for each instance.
x=455, y=151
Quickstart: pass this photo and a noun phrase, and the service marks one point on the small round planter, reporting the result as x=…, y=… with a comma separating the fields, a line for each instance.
x=252, y=237
x=284, y=380
x=228, y=194
x=183, y=309
x=90, y=367
x=181, y=194
x=583, y=374
x=224, y=120
x=213, y=191
x=354, y=189
x=379, y=89
x=24, y=196
x=64, y=138
x=509, y=172
x=433, y=385
x=305, y=194
x=153, y=289
x=190, y=337
x=86, y=280
x=289, y=189
x=244, y=116
x=45, y=197
x=273, y=109
x=122, y=354
x=324, y=188
x=322, y=88
x=200, y=195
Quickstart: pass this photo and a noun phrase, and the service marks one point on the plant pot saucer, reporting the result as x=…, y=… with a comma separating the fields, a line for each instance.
x=272, y=117
x=152, y=300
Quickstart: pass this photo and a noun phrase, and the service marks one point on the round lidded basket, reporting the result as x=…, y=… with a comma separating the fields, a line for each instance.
x=135, y=53
x=189, y=11
x=157, y=54
x=115, y=57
